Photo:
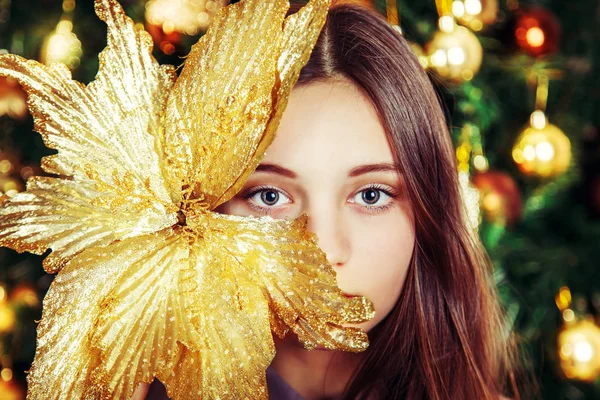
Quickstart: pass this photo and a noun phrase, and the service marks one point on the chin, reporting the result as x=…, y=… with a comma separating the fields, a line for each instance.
x=291, y=339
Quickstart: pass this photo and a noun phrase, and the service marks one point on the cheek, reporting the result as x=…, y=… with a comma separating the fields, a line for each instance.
x=377, y=268
x=233, y=207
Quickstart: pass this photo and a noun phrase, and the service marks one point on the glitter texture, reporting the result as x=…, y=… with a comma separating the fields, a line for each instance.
x=150, y=281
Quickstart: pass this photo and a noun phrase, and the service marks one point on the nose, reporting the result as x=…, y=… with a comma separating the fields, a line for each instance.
x=333, y=236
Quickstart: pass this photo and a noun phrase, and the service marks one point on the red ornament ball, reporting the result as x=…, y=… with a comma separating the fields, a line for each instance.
x=500, y=198
x=13, y=99
x=165, y=37
x=537, y=31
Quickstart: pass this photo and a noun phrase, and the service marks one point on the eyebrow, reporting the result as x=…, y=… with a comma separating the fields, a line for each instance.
x=276, y=169
x=354, y=172
x=379, y=167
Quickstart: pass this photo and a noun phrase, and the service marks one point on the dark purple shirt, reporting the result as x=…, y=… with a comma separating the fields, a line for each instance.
x=278, y=389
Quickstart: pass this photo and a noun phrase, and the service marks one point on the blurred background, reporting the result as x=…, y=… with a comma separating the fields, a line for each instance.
x=521, y=84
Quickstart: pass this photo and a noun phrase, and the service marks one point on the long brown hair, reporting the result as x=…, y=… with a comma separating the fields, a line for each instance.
x=446, y=337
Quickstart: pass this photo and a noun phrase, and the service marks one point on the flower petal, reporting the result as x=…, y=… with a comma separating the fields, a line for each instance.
x=283, y=258
x=228, y=101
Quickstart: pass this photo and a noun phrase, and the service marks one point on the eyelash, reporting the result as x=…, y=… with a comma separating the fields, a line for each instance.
x=258, y=189
x=377, y=209
x=372, y=209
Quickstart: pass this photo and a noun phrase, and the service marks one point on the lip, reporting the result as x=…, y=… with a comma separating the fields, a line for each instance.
x=350, y=296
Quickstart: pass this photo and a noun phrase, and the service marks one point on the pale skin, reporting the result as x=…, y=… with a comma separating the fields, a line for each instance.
x=331, y=160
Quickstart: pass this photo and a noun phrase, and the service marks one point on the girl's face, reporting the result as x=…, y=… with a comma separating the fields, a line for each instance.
x=331, y=160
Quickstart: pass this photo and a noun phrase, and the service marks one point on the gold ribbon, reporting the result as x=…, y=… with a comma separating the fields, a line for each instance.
x=444, y=7
x=391, y=11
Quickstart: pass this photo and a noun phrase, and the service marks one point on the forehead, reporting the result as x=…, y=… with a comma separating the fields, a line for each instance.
x=330, y=125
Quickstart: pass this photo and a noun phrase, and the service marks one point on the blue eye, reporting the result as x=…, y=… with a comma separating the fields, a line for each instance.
x=269, y=197
x=265, y=197
x=371, y=196
x=375, y=198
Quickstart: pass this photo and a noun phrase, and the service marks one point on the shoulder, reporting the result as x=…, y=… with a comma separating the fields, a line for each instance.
x=153, y=391
x=140, y=392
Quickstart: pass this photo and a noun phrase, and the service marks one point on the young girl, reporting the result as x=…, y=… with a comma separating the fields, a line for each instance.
x=363, y=148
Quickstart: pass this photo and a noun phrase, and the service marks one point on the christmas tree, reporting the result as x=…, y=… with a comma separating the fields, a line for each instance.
x=520, y=82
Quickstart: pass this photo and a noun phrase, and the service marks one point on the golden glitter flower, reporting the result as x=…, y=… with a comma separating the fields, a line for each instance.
x=150, y=281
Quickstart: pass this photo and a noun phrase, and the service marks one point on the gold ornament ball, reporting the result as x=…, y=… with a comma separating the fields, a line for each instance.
x=10, y=390
x=9, y=163
x=542, y=149
x=25, y=293
x=579, y=350
x=10, y=186
x=475, y=14
x=3, y=294
x=7, y=317
x=455, y=54
x=420, y=53
x=7, y=314
x=62, y=46
x=189, y=17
